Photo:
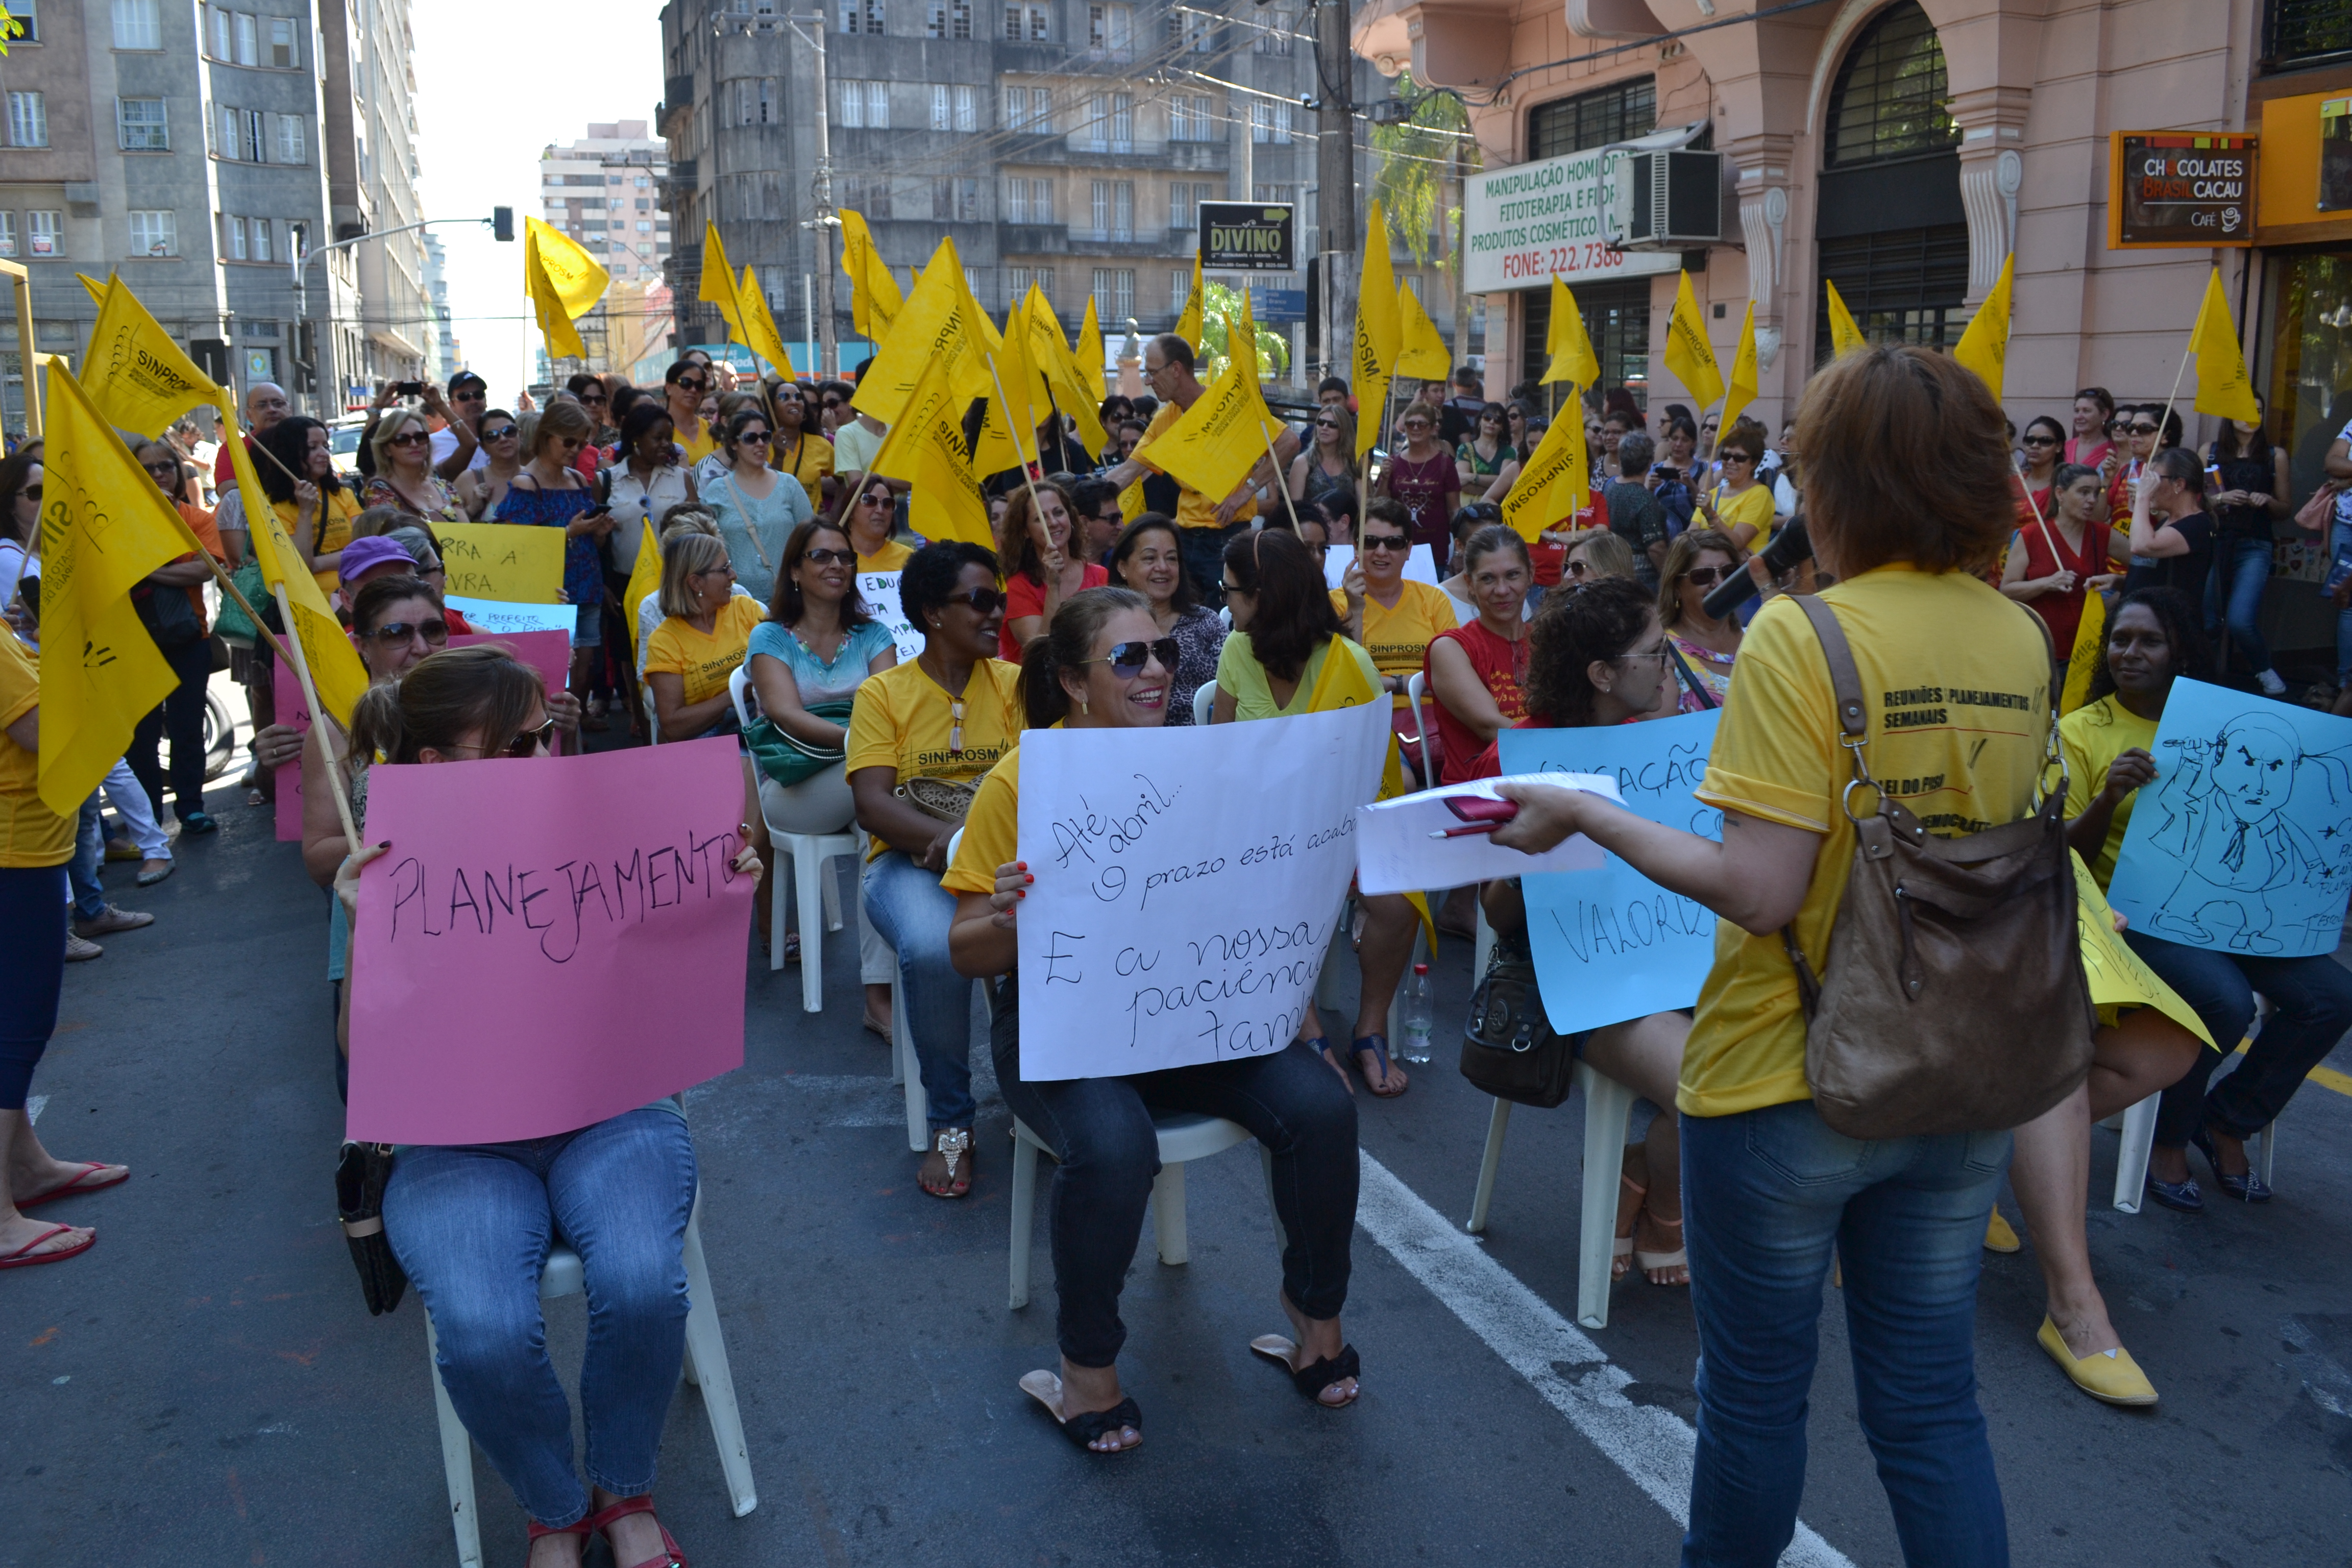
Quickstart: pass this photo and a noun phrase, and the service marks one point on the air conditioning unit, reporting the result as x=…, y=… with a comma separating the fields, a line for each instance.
x=1665, y=201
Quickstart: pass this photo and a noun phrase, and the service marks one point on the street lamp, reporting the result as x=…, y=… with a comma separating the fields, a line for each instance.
x=501, y=224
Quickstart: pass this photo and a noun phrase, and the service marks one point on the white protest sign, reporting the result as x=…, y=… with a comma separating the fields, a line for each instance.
x=1188, y=883
x=1395, y=852
x=497, y=616
x=880, y=591
x=1420, y=566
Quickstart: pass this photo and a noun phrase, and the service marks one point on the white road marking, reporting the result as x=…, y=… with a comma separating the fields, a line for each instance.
x=1651, y=1444
x=33, y=1103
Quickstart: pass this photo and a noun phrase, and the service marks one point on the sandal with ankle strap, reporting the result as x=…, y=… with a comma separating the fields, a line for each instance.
x=579, y=1527
x=671, y=1556
x=1678, y=1259
x=952, y=1145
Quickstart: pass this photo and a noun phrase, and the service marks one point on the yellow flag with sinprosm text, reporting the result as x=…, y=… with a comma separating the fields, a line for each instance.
x=1984, y=347
x=874, y=297
x=1089, y=353
x=1843, y=334
x=565, y=282
x=104, y=526
x=1743, y=379
x=1379, y=332
x=940, y=325
x=925, y=447
x=136, y=373
x=334, y=664
x=1554, y=482
x=2221, y=384
x=760, y=334
x=1212, y=444
x=1567, y=342
x=1690, y=358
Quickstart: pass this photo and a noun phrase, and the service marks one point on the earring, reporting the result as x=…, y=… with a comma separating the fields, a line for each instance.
x=1083, y=709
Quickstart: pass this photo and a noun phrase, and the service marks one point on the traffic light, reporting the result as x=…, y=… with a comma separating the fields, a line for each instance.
x=502, y=223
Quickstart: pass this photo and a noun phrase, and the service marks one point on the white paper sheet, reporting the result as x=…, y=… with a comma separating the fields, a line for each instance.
x=1395, y=854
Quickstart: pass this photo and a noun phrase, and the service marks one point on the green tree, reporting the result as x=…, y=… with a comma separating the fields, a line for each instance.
x=1218, y=303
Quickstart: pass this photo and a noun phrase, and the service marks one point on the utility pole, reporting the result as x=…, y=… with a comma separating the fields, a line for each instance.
x=825, y=221
x=1335, y=181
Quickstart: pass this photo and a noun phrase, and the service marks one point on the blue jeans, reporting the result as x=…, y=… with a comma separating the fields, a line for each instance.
x=2312, y=1006
x=1202, y=551
x=89, y=854
x=2242, y=568
x=1764, y=1196
x=911, y=912
x=33, y=935
x=472, y=1226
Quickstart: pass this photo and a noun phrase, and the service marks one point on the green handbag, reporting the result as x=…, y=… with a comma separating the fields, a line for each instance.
x=789, y=762
x=232, y=622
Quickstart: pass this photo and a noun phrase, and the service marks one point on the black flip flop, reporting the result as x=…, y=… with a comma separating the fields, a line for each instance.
x=1084, y=1429
x=1311, y=1381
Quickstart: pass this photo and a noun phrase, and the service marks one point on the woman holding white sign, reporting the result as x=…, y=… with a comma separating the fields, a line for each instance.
x=1105, y=664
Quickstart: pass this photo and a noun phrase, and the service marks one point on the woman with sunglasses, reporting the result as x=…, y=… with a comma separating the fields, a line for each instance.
x=684, y=386
x=705, y=634
x=872, y=518
x=2142, y=431
x=1421, y=477
x=1518, y=427
x=1392, y=616
x=1150, y=559
x=757, y=507
x=1103, y=665
x=1741, y=507
x=2090, y=440
x=1479, y=460
x=1033, y=540
x=1328, y=464
x=1597, y=555
x=2248, y=477
x=796, y=448
x=548, y=492
x=1597, y=656
x=404, y=474
x=481, y=490
x=470, y=1224
x=2056, y=588
x=2034, y=485
x=1698, y=559
x=1288, y=654
x=946, y=717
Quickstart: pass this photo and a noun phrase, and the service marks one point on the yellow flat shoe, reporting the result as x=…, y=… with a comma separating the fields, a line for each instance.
x=2110, y=1376
x=1999, y=1235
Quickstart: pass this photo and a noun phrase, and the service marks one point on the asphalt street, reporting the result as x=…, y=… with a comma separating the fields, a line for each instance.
x=207, y=1387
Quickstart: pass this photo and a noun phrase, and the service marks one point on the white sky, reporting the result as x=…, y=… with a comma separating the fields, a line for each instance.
x=495, y=84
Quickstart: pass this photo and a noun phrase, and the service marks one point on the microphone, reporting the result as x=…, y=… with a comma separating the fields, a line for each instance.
x=1791, y=547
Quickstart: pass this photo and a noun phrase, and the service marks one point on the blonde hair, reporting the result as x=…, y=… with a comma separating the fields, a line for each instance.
x=562, y=417
x=393, y=422
x=685, y=551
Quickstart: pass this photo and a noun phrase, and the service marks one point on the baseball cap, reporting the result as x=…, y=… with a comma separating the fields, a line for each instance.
x=467, y=378
x=361, y=556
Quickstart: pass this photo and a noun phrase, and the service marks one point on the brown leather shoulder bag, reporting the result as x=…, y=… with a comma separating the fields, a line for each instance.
x=1955, y=999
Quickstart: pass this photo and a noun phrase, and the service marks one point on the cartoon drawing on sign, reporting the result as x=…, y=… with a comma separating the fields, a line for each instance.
x=2256, y=825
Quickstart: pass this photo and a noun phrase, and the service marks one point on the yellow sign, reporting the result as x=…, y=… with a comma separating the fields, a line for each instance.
x=2118, y=978
x=508, y=560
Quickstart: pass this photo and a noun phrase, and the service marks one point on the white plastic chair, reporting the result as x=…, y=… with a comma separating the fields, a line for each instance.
x=1608, y=1109
x=705, y=1366
x=810, y=854
x=1413, y=688
x=1183, y=1136
x=1205, y=702
x=653, y=717
x=2137, y=1125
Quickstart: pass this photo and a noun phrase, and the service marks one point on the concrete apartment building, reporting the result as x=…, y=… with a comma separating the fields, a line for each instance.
x=1063, y=142
x=197, y=150
x=605, y=190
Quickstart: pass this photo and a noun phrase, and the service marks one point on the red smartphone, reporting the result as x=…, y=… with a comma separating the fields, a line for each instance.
x=1479, y=808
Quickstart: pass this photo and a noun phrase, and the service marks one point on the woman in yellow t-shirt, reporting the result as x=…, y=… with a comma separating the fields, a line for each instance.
x=1395, y=619
x=945, y=717
x=1769, y=1189
x=798, y=451
x=705, y=634
x=872, y=514
x=1742, y=506
x=1104, y=664
x=35, y=844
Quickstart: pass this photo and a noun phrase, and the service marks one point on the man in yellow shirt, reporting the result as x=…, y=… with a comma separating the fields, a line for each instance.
x=1203, y=523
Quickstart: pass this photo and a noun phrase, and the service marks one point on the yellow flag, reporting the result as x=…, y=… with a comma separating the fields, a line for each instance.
x=717, y=285
x=1843, y=334
x=1690, y=358
x=97, y=289
x=1188, y=323
x=1555, y=480
x=874, y=297
x=104, y=526
x=1742, y=390
x=2117, y=976
x=1065, y=379
x=1212, y=444
x=2221, y=384
x=1566, y=341
x=760, y=334
x=1420, y=351
x=645, y=578
x=925, y=447
x=2089, y=633
x=1016, y=403
x=1984, y=347
x=939, y=324
x=1131, y=502
x=135, y=376
x=335, y=668
x=1089, y=353
x=565, y=282
x=1379, y=332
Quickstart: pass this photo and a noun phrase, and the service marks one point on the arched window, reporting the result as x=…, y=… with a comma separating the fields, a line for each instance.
x=1889, y=98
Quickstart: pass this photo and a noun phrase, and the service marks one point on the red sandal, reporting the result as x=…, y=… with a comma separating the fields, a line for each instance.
x=579, y=1528
x=671, y=1556
x=26, y=1258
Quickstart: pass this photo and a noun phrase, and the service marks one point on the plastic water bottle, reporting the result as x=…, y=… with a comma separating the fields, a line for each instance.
x=1418, y=1012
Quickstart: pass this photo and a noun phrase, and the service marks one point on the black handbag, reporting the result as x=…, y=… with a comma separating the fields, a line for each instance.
x=169, y=616
x=1509, y=1048
x=360, y=1177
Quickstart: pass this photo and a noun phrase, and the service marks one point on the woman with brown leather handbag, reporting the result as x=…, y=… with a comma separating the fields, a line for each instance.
x=1879, y=769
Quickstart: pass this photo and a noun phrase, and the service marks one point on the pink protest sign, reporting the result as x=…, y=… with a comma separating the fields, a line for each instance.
x=548, y=943
x=550, y=653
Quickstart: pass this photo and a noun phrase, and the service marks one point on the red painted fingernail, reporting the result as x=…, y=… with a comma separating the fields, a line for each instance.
x=1028, y=879
x=1022, y=894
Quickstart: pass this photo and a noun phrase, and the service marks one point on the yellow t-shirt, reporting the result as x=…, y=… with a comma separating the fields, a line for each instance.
x=2093, y=737
x=992, y=829
x=1398, y=639
x=893, y=557
x=904, y=719
x=334, y=531
x=1752, y=506
x=699, y=445
x=1193, y=510
x=811, y=461
x=30, y=833
x=1958, y=688
x=706, y=662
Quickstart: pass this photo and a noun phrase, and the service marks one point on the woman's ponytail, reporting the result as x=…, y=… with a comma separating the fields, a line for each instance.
x=1065, y=645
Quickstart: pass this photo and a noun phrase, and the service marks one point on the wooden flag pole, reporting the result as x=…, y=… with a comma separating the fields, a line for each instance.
x=320, y=718
x=2047, y=537
x=1036, y=510
x=1282, y=481
x=2176, y=377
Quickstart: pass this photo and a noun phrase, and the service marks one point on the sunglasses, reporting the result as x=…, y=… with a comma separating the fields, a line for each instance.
x=1576, y=569
x=503, y=433
x=161, y=467
x=31, y=492
x=1704, y=577
x=1373, y=541
x=528, y=742
x=693, y=385
x=983, y=601
x=1738, y=458
x=392, y=634
x=587, y=398
x=1126, y=659
x=824, y=557
x=2041, y=441
x=412, y=439
x=2141, y=429
x=754, y=436
x=1327, y=425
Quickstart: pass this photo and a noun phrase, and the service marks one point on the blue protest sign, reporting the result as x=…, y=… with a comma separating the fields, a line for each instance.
x=1610, y=944
x=2243, y=844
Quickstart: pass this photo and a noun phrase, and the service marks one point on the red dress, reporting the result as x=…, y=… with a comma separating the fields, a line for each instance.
x=1026, y=596
x=1502, y=665
x=1424, y=487
x=2063, y=613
